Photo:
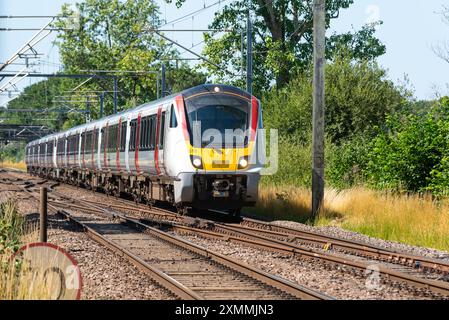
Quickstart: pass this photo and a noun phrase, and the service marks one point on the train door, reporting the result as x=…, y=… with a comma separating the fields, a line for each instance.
x=133, y=152
x=54, y=155
x=127, y=145
x=65, y=158
x=174, y=143
x=122, y=148
x=160, y=141
x=103, y=150
x=79, y=149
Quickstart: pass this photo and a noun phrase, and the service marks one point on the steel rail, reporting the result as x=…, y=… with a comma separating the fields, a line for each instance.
x=350, y=245
x=261, y=242
x=168, y=282
x=309, y=237
x=254, y=273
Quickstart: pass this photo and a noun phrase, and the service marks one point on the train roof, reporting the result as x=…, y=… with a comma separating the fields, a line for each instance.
x=185, y=93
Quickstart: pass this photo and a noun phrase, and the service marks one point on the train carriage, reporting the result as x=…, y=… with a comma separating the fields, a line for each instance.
x=194, y=149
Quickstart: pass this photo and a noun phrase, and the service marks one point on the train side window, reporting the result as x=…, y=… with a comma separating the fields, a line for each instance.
x=111, y=138
x=86, y=148
x=152, y=132
x=117, y=139
x=162, y=133
x=123, y=137
x=132, y=142
x=95, y=141
x=83, y=142
x=147, y=133
x=173, y=120
x=142, y=133
x=131, y=134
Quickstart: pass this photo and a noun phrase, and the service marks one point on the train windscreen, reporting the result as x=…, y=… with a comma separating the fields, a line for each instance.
x=218, y=120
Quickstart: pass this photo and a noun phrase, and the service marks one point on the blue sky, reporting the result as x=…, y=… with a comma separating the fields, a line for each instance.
x=410, y=29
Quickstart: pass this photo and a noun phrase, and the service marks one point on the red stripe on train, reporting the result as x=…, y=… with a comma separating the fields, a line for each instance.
x=254, y=117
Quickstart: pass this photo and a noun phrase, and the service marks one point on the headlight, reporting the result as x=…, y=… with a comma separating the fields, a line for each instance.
x=197, y=163
x=243, y=163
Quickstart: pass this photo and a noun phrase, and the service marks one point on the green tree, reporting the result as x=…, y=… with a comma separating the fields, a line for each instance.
x=282, y=40
x=116, y=35
x=359, y=97
x=38, y=96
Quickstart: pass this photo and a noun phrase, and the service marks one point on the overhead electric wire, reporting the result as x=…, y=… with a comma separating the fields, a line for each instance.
x=194, y=13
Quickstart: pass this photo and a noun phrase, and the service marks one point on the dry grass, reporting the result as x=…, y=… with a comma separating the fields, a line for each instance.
x=13, y=165
x=412, y=219
x=18, y=279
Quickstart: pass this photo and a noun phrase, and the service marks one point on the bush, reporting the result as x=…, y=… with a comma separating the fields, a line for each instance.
x=346, y=163
x=412, y=153
x=13, y=152
x=295, y=160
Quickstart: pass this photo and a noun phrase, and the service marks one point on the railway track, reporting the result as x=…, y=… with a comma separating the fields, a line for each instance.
x=243, y=235
x=187, y=270
x=352, y=256
x=248, y=227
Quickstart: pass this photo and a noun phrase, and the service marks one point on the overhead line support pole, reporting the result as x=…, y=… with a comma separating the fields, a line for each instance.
x=115, y=94
x=249, y=52
x=319, y=42
x=163, y=80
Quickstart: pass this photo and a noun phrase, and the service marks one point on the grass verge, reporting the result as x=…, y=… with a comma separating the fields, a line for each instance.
x=412, y=219
x=13, y=165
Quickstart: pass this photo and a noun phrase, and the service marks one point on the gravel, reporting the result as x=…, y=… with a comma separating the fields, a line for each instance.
x=106, y=275
x=307, y=273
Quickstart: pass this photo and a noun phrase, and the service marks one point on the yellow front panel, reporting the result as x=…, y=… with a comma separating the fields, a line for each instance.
x=219, y=159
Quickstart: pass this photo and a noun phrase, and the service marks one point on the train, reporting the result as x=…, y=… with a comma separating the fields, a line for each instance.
x=196, y=149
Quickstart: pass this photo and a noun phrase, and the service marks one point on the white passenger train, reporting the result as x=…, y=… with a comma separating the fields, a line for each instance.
x=178, y=149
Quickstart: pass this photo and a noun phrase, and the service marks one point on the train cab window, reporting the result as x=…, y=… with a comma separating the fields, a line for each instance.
x=173, y=120
x=162, y=132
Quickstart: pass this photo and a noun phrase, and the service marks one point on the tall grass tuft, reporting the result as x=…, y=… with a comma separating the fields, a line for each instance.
x=17, y=279
x=413, y=219
x=13, y=165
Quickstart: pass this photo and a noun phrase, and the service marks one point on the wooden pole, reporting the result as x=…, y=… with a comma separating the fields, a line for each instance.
x=319, y=41
x=43, y=215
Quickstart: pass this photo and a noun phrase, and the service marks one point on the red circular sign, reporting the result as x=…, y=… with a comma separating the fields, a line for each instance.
x=48, y=272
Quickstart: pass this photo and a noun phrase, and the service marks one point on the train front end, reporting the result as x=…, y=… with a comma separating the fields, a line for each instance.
x=221, y=131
